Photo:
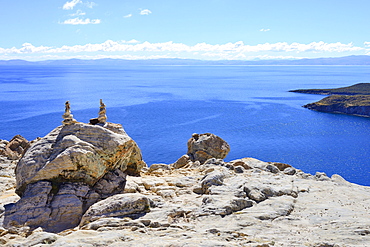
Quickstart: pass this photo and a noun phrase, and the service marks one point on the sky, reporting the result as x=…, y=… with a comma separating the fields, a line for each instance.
x=192, y=29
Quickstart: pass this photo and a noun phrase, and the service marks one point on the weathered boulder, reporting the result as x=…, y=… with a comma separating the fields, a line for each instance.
x=63, y=174
x=79, y=152
x=202, y=147
x=40, y=207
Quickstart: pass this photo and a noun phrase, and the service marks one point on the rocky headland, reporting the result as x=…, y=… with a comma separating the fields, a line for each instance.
x=87, y=185
x=352, y=100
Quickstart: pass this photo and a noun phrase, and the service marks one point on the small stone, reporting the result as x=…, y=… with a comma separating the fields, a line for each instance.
x=321, y=176
x=155, y=167
x=154, y=224
x=214, y=161
x=145, y=222
x=272, y=168
x=289, y=171
x=256, y=195
x=213, y=231
x=240, y=194
x=363, y=232
x=181, y=162
x=280, y=166
x=239, y=169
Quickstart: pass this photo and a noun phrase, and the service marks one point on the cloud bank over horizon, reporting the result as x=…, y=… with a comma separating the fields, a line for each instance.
x=134, y=49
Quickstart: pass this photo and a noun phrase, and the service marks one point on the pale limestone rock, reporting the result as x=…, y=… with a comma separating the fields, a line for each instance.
x=117, y=206
x=181, y=162
x=63, y=174
x=214, y=178
x=38, y=239
x=202, y=147
x=296, y=211
x=240, y=162
x=79, y=152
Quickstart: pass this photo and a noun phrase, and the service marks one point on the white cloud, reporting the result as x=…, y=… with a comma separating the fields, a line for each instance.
x=78, y=13
x=78, y=21
x=145, y=12
x=71, y=4
x=264, y=30
x=26, y=48
x=90, y=4
x=132, y=41
x=237, y=50
x=237, y=47
x=367, y=44
x=127, y=16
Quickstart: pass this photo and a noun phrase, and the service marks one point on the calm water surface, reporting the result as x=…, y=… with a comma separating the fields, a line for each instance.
x=161, y=106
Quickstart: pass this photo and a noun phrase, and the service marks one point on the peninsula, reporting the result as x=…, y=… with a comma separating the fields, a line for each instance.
x=352, y=100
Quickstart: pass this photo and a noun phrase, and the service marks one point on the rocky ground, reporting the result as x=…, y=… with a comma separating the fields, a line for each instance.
x=199, y=200
x=245, y=202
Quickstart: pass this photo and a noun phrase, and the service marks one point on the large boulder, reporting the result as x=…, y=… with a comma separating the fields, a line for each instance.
x=202, y=147
x=68, y=170
x=79, y=152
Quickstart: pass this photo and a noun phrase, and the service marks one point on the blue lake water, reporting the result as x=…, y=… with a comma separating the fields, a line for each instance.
x=161, y=106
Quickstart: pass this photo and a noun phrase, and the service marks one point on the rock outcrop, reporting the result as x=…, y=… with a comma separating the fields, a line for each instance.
x=215, y=205
x=202, y=147
x=63, y=174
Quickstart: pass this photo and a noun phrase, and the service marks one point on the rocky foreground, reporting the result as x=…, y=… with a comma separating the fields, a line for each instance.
x=244, y=202
x=86, y=185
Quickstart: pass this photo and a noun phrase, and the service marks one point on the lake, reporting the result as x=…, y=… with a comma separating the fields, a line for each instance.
x=161, y=106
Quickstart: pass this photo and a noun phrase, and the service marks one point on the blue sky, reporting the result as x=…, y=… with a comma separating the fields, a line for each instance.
x=199, y=29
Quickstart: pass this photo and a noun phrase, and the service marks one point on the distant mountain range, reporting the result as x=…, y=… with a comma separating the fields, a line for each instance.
x=348, y=60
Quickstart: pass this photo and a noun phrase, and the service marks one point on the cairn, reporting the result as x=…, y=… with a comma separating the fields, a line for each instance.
x=102, y=117
x=67, y=116
x=102, y=113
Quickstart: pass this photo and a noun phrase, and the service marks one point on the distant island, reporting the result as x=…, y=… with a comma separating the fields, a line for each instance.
x=352, y=100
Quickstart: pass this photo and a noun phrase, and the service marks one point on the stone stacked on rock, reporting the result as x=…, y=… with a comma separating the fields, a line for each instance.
x=68, y=170
x=102, y=117
x=67, y=116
